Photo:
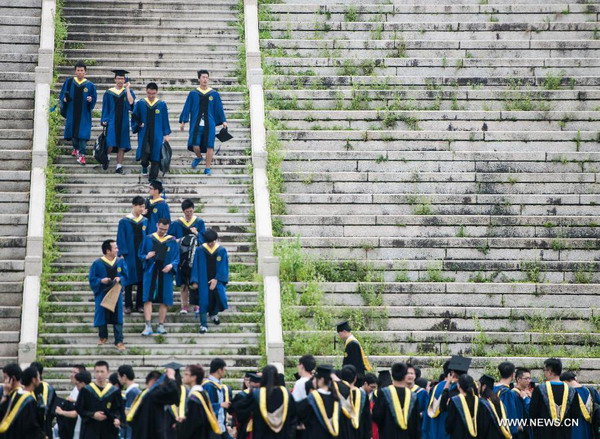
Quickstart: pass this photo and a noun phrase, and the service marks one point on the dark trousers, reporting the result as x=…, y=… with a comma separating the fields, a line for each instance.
x=139, y=302
x=154, y=168
x=118, y=329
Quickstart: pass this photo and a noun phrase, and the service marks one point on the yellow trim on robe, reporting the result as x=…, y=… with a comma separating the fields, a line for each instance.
x=179, y=411
x=203, y=91
x=77, y=80
x=503, y=428
x=333, y=424
x=111, y=263
x=159, y=239
x=152, y=104
x=220, y=387
x=430, y=409
x=585, y=410
x=368, y=366
x=11, y=415
x=263, y=408
x=210, y=414
x=115, y=91
x=45, y=391
x=471, y=420
x=401, y=411
x=188, y=224
x=138, y=219
x=552, y=404
x=102, y=392
x=156, y=200
x=211, y=251
x=135, y=406
x=355, y=412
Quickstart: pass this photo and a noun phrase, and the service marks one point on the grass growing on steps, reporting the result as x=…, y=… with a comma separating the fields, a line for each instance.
x=309, y=273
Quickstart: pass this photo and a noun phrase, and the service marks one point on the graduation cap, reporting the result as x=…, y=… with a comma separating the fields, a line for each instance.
x=324, y=371
x=173, y=365
x=384, y=378
x=120, y=72
x=488, y=381
x=210, y=235
x=343, y=326
x=459, y=364
x=224, y=135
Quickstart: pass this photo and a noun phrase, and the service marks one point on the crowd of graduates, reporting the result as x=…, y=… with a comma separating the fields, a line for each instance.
x=151, y=253
x=187, y=402
x=148, y=118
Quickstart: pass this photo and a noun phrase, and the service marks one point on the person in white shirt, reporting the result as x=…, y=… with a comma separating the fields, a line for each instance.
x=306, y=367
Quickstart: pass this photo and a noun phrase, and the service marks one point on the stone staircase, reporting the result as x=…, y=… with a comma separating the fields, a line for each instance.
x=165, y=42
x=453, y=149
x=19, y=43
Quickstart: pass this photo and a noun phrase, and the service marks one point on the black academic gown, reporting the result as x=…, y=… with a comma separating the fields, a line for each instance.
x=307, y=414
x=90, y=402
x=347, y=430
x=384, y=418
x=489, y=427
x=456, y=427
x=48, y=400
x=196, y=424
x=27, y=423
x=538, y=409
x=66, y=426
x=150, y=421
x=241, y=411
x=353, y=356
x=248, y=408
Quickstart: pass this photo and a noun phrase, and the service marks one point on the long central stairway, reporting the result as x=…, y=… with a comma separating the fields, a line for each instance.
x=165, y=42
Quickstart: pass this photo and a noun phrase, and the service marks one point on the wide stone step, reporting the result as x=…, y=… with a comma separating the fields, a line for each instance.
x=226, y=229
x=153, y=349
x=173, y=317
x=169, y=339
x=154, y=361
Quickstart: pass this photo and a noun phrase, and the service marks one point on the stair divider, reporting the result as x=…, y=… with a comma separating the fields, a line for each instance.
x=268, y=265
x=37, y=195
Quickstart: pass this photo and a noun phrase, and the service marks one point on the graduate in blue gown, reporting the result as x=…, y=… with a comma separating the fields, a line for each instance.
x=511, y=400
x=150, y=121
x=117, y=103
x=105, y=272
x=188, y=224
x=79, y=95
x=437, y=409
x=156, y=207
x=210, y=275
x=160, y=255
x=586, y=397
x=130, y=234
x=204, y=110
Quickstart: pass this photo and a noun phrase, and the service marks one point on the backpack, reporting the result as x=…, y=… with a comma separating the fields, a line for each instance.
x=187, y=250
x=100, y=149
x=165, y=157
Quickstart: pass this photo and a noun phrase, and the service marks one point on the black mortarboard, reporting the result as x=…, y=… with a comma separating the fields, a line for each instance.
x=384, y=378
x=324, y=371
x=254, y=378
x=343, y=326
x=459, y=364
x=249, y=373
x=173, y=365
x=120, y=72
x=488, y=381
x=224, y=135
x=210, y=235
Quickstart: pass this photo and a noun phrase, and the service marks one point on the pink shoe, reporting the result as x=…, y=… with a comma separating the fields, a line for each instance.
x=81, y=159
x=74, y=152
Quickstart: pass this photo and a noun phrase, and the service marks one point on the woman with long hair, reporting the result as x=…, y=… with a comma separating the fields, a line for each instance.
x=494, y=419
x=320, y=412
x=465, y=412
x=269, y=411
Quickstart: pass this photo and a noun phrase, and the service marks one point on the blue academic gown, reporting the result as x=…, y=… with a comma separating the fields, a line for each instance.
x=161, y=290
x=180, y=228
x=423, y=399
x=198, y=103
x=100, y=269
x=436, y=427
x=512, y=403
x=155, y=118
x=200, y=274
x=584, y=428
x=79, y=112
x=126, y=241
x=158, y=209
x=115, y=112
